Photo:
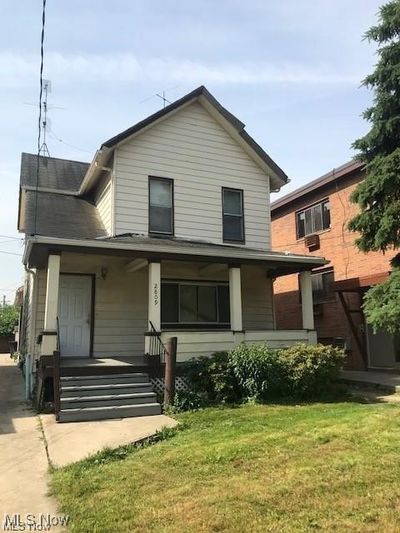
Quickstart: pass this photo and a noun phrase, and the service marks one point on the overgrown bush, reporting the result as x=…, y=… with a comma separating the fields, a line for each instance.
x=310, y=369
x=259, y=371
x=213, y=376
x=188, y=401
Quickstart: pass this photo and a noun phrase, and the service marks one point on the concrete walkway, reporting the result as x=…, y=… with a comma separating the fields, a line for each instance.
x=23, y=460
x=73, y=441
x=385, y=381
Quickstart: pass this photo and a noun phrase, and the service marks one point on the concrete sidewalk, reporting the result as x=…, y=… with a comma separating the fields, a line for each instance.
x=385, y=381
x=23, y=460
x=73, y=441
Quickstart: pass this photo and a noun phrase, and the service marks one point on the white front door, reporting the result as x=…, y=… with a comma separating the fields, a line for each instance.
x=74, y=315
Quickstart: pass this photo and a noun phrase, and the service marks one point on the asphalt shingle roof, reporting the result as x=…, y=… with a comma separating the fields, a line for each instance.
x=63, y=216
x=54, y=173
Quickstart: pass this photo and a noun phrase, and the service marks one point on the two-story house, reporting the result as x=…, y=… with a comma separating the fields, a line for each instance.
x=166, y=232
x=314, y=219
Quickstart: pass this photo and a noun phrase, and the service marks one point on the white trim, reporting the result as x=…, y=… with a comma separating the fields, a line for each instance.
x=229, y=252
x=235, y=298
x=307, y=300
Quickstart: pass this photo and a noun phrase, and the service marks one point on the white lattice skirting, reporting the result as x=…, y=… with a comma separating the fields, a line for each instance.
x=181, y=384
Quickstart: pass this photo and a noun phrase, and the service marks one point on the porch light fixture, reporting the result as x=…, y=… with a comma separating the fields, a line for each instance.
x=103, y=272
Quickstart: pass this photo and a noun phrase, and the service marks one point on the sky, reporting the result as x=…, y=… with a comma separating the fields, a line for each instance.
x=289, y=69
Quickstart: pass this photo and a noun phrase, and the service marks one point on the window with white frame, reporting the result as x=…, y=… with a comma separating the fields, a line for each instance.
x=161, y=206
x=232, y=215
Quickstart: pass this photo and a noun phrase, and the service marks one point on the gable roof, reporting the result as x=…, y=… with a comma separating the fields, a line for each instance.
x=54, y=173
x=201, y=92
x=341, y=172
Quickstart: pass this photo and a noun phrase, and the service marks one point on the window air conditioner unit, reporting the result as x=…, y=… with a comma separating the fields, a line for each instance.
x=312, y=242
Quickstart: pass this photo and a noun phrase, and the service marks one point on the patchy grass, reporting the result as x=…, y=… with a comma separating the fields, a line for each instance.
x=328, y=467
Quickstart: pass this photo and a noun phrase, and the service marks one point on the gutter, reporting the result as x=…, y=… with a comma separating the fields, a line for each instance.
x=95, y=168
x=231, y=253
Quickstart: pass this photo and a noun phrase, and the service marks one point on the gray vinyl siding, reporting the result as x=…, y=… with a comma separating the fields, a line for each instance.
x=103, y=201
x=200, y=156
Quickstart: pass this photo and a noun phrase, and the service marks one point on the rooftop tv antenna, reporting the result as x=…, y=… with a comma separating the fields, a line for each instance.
x=162, y=96
x=44, y=150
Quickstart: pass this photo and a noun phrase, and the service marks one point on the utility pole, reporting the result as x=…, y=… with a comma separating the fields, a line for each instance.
x=4, y=300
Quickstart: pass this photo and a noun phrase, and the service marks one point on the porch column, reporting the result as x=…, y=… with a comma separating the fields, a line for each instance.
x=235, y=298
x=49, y=340
x=307, y=300
x=154, y=313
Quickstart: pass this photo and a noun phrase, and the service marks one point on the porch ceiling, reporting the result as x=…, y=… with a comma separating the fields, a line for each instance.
x=157, y=249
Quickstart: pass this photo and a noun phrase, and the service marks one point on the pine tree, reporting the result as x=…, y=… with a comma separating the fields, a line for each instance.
x=378, y=195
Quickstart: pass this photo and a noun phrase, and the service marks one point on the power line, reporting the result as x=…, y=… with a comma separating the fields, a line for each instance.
x=10, y=253
x=57, y=138
x=11, y=237
x=40, y=111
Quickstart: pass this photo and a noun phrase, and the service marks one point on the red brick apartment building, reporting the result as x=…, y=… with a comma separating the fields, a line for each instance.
x=313, y=219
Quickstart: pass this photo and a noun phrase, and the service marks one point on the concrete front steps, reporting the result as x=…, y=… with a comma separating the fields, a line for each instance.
x=100, y=397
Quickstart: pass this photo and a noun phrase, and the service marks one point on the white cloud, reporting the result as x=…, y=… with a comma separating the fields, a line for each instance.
x=21, y=70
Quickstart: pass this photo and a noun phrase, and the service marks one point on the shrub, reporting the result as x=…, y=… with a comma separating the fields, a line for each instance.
x=188, y=401
x=259, y=371
x=212, y=376
x=310, y=369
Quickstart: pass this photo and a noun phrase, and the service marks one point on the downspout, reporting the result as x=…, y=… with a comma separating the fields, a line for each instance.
x=30, y=355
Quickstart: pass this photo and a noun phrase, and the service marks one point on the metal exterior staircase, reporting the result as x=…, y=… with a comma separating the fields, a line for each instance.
x=97, y=397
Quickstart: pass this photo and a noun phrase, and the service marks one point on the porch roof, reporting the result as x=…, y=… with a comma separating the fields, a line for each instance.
x=136, y=246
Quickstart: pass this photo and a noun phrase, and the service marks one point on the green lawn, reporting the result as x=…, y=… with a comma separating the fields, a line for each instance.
x=328, y=467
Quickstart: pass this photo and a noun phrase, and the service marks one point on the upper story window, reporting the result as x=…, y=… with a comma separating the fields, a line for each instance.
x=161, y=205
x=313, y=219
x=232, y=215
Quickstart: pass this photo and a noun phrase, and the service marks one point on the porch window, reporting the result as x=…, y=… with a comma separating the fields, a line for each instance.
x=232, y=214
x=313, y=219
x=188, y=304
x=161, y=206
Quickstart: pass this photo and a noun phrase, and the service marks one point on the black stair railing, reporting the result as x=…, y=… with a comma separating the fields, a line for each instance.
x=162, y=361
x=156, y=346
x=57, y=375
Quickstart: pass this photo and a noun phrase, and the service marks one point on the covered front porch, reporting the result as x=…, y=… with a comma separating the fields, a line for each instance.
x=102, y=299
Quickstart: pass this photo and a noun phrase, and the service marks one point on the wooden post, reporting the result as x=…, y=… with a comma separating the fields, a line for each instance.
x=170, y=371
